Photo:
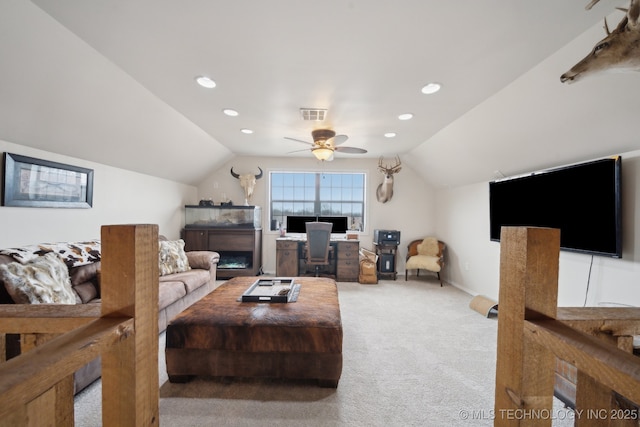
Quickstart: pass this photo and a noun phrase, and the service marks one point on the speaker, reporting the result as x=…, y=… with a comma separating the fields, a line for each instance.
x=387, y=263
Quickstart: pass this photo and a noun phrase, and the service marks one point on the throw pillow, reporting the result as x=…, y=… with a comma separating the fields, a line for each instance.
x=171, y=257
x=44, y=280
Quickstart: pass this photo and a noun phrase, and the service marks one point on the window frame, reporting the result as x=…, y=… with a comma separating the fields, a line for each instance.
x=318, y=174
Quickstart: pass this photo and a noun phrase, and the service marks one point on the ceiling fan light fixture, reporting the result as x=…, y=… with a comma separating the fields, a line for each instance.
x=322, y=153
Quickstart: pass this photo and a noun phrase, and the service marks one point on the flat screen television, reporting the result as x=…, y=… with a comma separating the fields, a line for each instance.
x=340, y=223
x=582, y=200
x=295, y=223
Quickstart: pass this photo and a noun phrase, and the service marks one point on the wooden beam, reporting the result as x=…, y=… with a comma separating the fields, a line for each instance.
x=612, y=367
x=45, y=318
x=36, y=387
x=602, y=321
x=528, y=289
x=130, y=383
x=24, y=377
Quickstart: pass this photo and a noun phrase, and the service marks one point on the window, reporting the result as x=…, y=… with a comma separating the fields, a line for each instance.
x=317, y=193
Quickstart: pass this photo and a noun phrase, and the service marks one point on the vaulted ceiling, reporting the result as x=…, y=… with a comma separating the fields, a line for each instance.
x=114, y=82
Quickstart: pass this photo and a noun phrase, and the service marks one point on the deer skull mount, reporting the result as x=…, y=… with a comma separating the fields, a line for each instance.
x=618, y=52
x=247, y=182
x=384, y=192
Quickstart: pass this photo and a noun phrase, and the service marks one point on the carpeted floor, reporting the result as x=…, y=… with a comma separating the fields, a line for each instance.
x=414, y=354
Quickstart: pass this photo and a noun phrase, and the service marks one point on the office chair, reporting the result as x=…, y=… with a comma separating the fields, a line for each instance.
x=318, y=244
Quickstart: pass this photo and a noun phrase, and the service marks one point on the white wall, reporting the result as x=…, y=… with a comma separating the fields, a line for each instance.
x=119, y=197
x=473, y=260
x=411, y=210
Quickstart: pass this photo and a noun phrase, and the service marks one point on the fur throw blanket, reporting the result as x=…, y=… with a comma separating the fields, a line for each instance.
x=72, y=254
x=429, y=246
x=43, y=280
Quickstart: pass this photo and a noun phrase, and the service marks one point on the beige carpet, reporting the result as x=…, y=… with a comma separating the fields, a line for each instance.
x=414, y=353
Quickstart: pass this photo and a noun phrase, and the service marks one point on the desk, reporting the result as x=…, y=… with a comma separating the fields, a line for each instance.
x=344, y=263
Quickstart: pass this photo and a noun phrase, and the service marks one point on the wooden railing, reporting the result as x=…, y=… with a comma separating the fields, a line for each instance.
x=36, y=388
x=533, y=332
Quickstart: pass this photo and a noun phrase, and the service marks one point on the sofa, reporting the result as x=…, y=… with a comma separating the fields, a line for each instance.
x=69, y=273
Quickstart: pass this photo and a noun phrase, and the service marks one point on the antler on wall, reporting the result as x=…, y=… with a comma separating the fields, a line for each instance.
x=619, y=51
x=384, y=192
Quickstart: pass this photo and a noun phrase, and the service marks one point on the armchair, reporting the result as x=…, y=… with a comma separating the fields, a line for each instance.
x=426, y=254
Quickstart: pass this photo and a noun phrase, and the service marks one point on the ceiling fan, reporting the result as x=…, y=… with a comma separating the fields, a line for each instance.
x=326, y=142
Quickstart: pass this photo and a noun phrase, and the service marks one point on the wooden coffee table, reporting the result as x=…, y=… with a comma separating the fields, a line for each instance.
x=221, y=337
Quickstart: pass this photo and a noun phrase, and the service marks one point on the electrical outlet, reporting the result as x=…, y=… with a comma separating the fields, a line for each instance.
x=466, y=266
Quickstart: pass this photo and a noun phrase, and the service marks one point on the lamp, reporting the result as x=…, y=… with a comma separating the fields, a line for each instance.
x=322, y=153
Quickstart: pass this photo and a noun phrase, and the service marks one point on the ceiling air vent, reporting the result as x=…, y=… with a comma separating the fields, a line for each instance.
x=313, y=114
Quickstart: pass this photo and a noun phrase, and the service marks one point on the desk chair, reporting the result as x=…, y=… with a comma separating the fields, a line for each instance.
x=318, y=244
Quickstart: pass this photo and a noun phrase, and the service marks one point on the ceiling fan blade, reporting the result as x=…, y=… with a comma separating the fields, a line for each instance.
x=299, y=151
x=299, y=140
x=351, y=150
x=339, y=139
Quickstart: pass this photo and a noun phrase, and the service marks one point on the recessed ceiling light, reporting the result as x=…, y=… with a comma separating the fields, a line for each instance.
x=430, y=88
x=230, y=112
x=205, y=81
x=390, y=135
x=405, y=116
x=247, y=131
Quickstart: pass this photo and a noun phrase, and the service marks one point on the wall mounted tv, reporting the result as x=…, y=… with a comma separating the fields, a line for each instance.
x=582, y=200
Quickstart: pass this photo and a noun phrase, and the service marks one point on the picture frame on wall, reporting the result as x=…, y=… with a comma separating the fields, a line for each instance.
x=31, y=182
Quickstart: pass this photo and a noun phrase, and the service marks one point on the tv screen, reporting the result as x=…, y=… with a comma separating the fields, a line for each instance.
x=583, y=201
x=340, y=223
x=295, y=224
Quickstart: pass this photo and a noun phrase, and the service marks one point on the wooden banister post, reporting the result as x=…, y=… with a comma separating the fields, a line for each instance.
x=529, y=259
x=129, y=287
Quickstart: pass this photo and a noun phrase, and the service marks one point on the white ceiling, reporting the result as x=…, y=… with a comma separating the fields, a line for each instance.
x=113, y=82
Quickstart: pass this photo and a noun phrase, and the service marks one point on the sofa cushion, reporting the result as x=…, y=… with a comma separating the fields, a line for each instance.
x=171, y=257
x=192, y=279
x=85, y=281
x=44, y=280
x=205, y=260
x=84, y=273
x=169, y=292
x=86, y=291
x=73, y=254
x=425, y=262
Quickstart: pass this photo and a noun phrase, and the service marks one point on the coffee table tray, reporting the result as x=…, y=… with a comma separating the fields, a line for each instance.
x=277, y=290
